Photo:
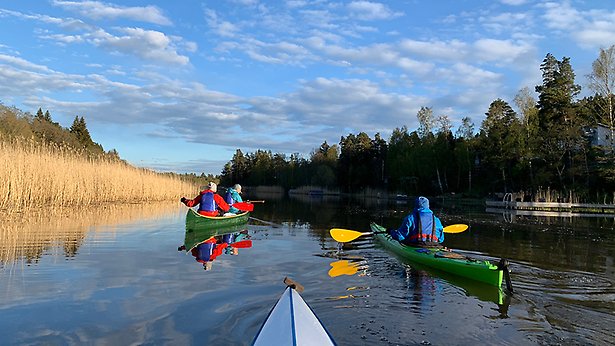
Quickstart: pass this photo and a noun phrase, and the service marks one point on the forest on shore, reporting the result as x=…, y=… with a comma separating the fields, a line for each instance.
x=557, y=143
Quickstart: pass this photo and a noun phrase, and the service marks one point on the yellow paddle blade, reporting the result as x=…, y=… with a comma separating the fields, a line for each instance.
x=344, y=235
x=458, y=228
x=342, y=267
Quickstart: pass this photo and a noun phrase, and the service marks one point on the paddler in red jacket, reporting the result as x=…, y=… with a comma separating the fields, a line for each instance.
x=208, y=201
x=206, y=252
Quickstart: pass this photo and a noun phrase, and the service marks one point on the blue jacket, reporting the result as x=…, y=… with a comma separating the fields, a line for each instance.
x=431, y=229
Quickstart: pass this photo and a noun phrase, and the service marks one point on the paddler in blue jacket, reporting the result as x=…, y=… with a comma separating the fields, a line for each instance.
x=233, y=196
x=421, y=227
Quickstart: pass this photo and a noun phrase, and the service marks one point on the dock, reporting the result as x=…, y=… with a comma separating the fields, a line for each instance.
x=584, y=208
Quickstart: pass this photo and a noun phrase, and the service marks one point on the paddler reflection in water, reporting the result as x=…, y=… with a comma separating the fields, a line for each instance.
x=421, y=227
x=207, y=251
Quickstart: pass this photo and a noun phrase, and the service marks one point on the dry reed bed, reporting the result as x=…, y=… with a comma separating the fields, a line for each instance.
x=34, y=175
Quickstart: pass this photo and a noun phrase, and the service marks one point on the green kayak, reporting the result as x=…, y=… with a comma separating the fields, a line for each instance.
x=446, y=261
x=197, y=222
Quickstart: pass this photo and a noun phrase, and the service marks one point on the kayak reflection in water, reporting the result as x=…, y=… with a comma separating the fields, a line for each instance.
x=208, y=250
x=421, y=227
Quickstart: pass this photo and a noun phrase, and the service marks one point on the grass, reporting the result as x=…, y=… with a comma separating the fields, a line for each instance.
x=34, y=175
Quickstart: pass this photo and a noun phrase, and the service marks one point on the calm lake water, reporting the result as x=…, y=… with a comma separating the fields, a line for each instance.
x=114, y=276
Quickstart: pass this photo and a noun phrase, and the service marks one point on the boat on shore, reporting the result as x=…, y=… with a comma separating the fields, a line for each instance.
x=446, y=261
x=292, y=322
x=196, y=221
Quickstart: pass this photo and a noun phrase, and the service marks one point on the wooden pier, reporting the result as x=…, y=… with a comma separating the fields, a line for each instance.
x=586, y=208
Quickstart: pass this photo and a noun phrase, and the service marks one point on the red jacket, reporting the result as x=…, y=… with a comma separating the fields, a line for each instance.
x=219, y=201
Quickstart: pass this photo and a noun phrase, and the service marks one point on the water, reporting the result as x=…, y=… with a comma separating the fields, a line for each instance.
x=115, y=276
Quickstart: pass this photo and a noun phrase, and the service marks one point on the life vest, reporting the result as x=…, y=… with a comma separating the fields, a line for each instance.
x=423, y=228
x=209, y=250
x=207, y=202
x=229, y=197
x=204, y=251
x=228, y=238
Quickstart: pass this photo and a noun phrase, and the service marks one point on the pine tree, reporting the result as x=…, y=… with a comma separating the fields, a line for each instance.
x=561, y=129
x=80, y=131
x=39, y=115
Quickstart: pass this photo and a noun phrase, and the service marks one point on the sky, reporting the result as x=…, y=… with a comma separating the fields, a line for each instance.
x=181, y=85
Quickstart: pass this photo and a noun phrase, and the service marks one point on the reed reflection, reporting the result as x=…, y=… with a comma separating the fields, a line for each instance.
x=29, y=236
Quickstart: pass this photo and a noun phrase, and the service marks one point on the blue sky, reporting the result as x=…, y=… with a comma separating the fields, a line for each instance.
x=180, y=85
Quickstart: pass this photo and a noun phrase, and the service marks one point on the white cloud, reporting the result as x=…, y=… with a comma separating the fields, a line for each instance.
x=438, y=50
x=561, y=16
x=147, y=44
x=590, y=29
x=69, y=23
x=99, y=10
x=368, y=10
x=500, y=51
x=218, y=26
x=514, y=2
x=507, y=22
x=22, y=63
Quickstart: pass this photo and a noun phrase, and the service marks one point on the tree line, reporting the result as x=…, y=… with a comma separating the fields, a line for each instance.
x=548, y=143
x=15, y=124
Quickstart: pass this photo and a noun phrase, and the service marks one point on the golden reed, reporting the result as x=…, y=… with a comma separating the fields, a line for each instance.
x=35, y=175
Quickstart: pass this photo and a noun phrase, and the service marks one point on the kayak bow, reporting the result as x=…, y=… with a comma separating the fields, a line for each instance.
x=292, y=322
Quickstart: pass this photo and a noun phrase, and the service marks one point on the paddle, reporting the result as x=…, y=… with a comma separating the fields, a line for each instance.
x=243, y=206
x=260, y=201
x=345, y=235
x=273, y=224
x=242, y=244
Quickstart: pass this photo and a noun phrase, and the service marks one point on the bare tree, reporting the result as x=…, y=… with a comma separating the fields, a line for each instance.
x=426, y=121
x=602, y=81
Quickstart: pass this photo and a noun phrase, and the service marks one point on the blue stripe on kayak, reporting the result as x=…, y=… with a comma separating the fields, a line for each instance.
x=292, y=318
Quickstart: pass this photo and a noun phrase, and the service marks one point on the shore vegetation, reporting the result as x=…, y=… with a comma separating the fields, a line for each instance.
x=43, y=165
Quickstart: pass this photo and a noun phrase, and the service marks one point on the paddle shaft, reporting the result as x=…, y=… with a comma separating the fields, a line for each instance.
x=346, y=235
x=273, y=224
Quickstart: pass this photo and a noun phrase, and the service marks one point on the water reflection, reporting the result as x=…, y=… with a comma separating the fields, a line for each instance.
x=348, y=267
x=28, y=237
x=206, y=246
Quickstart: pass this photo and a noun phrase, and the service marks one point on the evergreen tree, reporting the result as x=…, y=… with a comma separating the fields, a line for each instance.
x=500, y=139
x=561, y=130
x=39, y=115
x=80, y=130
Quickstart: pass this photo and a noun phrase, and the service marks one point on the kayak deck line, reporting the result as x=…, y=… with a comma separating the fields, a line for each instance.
x=292, y=321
